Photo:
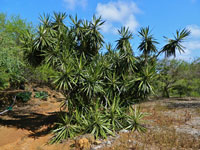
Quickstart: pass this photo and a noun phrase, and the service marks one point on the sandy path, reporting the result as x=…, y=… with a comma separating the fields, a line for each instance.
x=27, y=127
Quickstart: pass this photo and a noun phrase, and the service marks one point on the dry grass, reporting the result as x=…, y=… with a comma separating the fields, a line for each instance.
x=165, y=139
x=169, y=139
x=160, y=107
x=162, y=134
x=198, y=111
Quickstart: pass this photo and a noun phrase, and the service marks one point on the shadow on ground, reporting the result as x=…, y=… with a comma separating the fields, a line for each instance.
x=172, y=105
x=38, y=124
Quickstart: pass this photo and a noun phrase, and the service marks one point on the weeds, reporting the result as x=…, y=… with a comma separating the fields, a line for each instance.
x=41, y=95
x=24, y=96
x=169, y=139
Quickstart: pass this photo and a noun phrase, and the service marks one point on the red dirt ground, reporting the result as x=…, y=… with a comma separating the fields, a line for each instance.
x=27, y=126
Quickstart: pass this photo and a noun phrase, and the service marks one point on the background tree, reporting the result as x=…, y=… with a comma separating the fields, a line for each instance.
x=11, y=56
x=168, y=74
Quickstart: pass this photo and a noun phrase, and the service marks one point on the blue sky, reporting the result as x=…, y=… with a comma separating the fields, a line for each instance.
x=163, y=17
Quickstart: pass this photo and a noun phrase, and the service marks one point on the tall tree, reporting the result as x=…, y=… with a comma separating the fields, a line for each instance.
x=168, y=74
x=147, y=45
x=123, y=44
x=175, y=44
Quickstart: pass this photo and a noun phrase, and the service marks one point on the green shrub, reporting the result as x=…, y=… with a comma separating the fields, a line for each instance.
x=24, y=96
x=40, y=74
x=96, y=123
x=134, y=120
x=65, y=128
x=99, y=121
x=41, y=95
x=4, y=80
x=116, y=114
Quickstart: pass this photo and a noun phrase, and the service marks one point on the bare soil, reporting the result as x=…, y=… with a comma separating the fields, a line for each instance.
x=171, y=124
x=28, y=125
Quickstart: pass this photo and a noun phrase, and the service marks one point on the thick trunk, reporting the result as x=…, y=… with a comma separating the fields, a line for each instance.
x=145, y=59
x=166, y=92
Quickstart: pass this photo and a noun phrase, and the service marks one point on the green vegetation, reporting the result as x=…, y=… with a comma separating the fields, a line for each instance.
x=24, y=96
x=100, y=89
x=12, y=66
x=42, y=95
x=178, y=78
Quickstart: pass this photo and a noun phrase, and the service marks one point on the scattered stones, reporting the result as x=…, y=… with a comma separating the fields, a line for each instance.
x=123, y=131
x=98, y=142
x=108, y=143
x=90, y=137
x=82, y=144
x=97, y=147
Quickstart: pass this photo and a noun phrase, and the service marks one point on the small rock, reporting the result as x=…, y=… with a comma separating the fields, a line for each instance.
x=97, y=142
x=90, y=137
x=108, y=143
x=97, y=147
x=123, y=131
x=117, y=136
x=82, y=144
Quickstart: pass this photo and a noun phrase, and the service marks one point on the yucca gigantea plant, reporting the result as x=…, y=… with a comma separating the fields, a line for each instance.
x=148, y=43
x=91, y=83
x=97, y=122
x=145, y=77
x=67, y=127
x=175, y=44
x=85, y=77
x=115, y=114
x=134, y=120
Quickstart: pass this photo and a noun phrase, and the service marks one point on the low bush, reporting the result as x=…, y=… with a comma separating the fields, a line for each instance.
x=24, y=96
x=98, y=121
x=41, y=95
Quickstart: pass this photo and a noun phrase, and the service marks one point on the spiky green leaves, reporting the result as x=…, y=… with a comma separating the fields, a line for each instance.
x=175, y=44
x=99, y=121
x=123, y=44
x=143, y=82
x=65, y=129
x=148, y=43
x=135, y=122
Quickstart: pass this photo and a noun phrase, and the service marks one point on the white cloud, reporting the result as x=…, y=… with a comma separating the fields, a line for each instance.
x=121, y=13
x=184, y=56
x=72, y=4
x=192, y=45
x=195, y=30
x=193, y=42
x=132, y=22
x=108, y=27
x=193, y=1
